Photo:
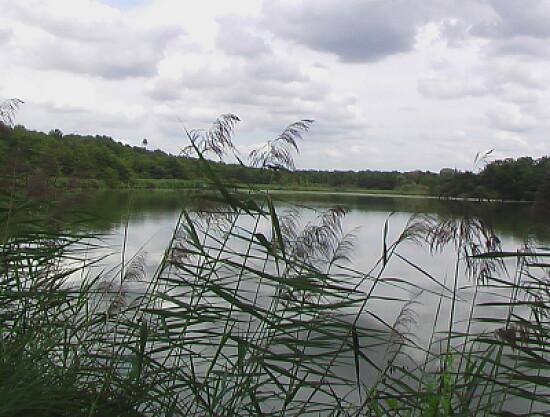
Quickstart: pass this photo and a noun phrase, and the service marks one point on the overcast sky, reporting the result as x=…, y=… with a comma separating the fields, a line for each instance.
x=391, y=84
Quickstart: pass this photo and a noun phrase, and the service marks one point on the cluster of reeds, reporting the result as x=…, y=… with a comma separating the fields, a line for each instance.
x=249, y=315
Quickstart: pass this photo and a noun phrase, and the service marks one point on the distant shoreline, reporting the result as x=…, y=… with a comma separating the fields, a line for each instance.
x=67, y=184
x=187, y=185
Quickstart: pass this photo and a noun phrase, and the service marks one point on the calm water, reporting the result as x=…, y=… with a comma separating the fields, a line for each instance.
x=145, y=221
x=148, y=219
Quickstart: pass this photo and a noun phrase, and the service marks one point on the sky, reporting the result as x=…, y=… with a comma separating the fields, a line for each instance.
x=391, y=84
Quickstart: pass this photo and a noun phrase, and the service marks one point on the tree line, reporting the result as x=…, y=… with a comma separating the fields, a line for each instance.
x=35, y=157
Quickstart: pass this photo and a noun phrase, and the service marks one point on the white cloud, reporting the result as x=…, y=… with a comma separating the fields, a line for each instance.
x=235, y=38
x=520, y=96
x=512, y=72
x=451, y=87
x=509, y=117
x=6, y=35
x=80, y=20
x=87, y=37
x=510, y=142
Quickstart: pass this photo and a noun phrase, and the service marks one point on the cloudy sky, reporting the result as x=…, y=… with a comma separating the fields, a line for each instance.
x=391, y=84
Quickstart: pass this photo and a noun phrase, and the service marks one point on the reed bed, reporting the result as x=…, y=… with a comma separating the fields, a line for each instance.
x=249, y=315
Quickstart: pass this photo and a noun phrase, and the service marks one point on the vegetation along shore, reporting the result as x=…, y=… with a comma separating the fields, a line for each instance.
x=248, y=312
x=41, y=160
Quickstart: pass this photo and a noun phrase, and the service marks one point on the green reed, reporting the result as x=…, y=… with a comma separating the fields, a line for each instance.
x=249, y=315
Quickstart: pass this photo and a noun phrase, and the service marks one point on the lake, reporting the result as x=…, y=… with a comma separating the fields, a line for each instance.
x=144, y=221
x=149, y=217
x=412, y=290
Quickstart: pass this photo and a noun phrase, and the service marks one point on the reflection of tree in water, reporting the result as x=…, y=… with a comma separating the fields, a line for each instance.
x=509, y=220
x=102, y=210
x=542, y=199
x=520, y=221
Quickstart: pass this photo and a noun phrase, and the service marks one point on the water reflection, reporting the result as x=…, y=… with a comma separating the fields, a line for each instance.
x=145, y=221
x=510, y=220
x=103, y=211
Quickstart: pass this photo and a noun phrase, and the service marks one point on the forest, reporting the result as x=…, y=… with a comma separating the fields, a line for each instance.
x=40, y=160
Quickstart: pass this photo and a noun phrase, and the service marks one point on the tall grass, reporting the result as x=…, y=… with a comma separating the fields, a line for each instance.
x=249, y=314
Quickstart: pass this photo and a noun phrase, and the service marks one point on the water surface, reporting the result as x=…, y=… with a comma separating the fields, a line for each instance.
x=148, y=218
x=135, y=222
x=144, y=221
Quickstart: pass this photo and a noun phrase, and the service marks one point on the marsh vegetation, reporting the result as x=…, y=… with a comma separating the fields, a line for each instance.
x=251, y=312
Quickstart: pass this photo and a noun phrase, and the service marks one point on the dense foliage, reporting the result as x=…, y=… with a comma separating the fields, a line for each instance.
x=509, y=179
x=27, y=153
x=34, y=155
x=38, y=158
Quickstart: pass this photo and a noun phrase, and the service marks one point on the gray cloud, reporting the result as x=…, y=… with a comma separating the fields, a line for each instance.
x=356, y=30
x=273, y=67
x=265, y=102
x=104, y=45
x=521, y=96
x=75, y=118
x=454, y=31
x=510, y=40
x=517, y=18
x=97, y=23
x=516, y=28
x=509, y=117
x=200, y=80
x=512, y=27
x=508, y=142
x=262, y=80
x=451, y=87
x=6, y=34
x=234, y=38
x=521, y=45
x=164, y=90
x=276, y=94
x=499, y=75
x=408, y=108
x=111, y=61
